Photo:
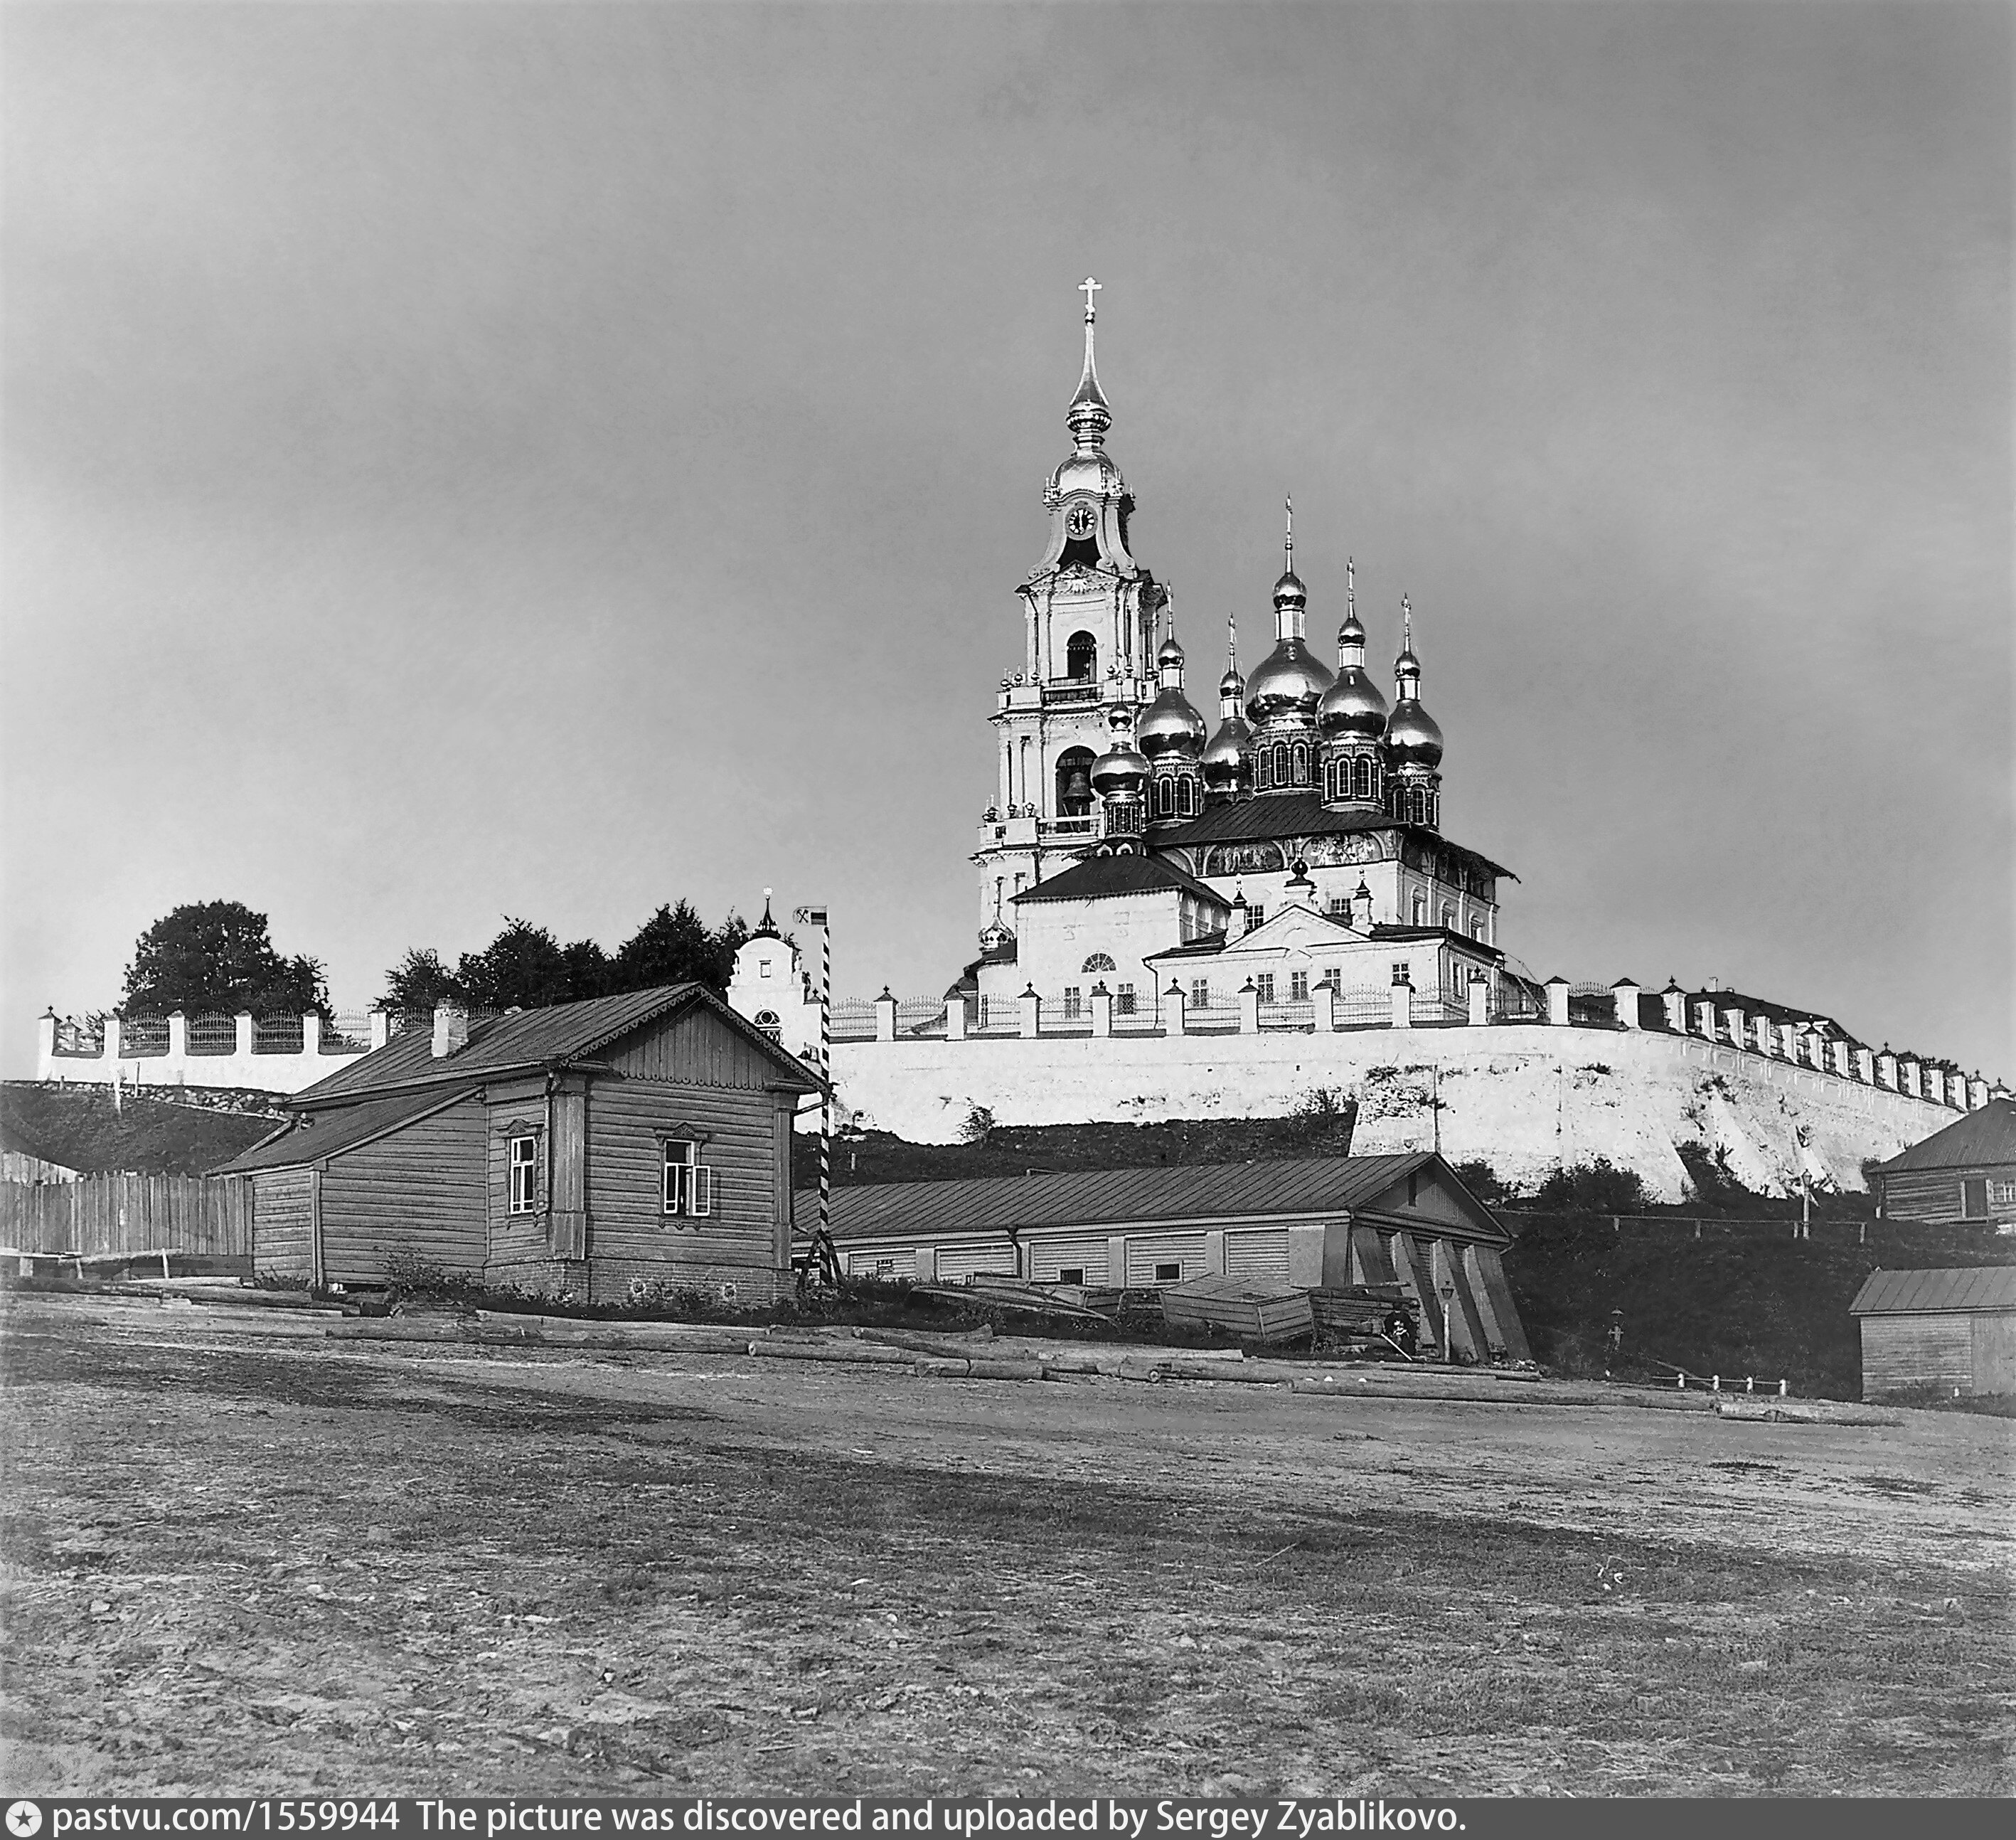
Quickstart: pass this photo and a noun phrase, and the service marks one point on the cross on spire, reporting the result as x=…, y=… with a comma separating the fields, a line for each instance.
x=1089, y=287
x=1288, y=543
x=1350, y=589
x=1406, y=623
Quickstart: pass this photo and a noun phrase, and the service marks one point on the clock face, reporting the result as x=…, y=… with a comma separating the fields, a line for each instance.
x=1080, y=521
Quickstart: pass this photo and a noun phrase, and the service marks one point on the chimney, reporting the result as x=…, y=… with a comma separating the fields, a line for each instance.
x=451, y=1029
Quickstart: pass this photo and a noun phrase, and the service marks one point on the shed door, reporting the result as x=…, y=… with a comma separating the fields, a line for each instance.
x=1974, y=1197
x=1258, y=1254
x=1994, y=1337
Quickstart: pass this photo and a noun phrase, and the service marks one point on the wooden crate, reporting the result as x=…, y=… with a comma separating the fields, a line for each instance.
x=1255, y=1309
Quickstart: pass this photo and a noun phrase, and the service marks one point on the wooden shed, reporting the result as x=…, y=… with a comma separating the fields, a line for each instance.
x=1405, y=1221
x=1966, y=1172
x=642, y=1137
x=1944, y=1331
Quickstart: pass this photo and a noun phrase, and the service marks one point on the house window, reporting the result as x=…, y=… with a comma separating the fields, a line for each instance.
x=1974, y=1197
x=2002, y=1194
x=1298, y=987
x=1199, y=993
x=524, y=1174
x=1073, y=1002
x=1265, y=985
x=1168, y=1274
x=1070, y=1274
x=689, y=1182
x=1123, y=1000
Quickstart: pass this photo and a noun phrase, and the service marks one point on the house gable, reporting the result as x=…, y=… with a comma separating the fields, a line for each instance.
x=703, y=1045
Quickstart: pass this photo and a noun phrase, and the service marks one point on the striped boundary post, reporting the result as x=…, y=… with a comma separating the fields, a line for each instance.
x=817, y=917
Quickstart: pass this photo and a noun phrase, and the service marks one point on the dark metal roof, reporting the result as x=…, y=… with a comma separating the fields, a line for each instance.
x=1091, y=878
x=564, y=1033
x=344, y=1128
x=1980, y=1140
x=1097, y=1197
x=1275, y=814
x=1916, y=1293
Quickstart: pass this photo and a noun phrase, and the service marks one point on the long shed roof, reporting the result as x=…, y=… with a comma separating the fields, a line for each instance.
x=1096, y=1197
x=1918, y=1293
x=1977, y=1140
x=342, y=1127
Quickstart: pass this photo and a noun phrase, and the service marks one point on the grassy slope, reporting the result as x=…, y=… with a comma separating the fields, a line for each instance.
x=80, y=1127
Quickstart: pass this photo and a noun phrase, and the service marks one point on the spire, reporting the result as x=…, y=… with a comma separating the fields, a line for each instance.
x=766, y=928
x=1288, y=542
x=1089, y=415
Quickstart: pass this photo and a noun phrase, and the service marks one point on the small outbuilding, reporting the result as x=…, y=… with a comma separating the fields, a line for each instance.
x=1965, y=1173
x=1327, y=1222
x=1944, y=1331
x=581, y=1148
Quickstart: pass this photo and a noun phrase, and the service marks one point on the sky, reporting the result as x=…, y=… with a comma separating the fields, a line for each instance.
x=466, y=461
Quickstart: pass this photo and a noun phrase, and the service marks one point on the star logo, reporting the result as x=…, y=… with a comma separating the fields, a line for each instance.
x=24, y=1819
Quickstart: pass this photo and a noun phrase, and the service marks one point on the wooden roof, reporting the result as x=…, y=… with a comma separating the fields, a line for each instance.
x=1221, y=1192
x=562, y=1035
x=1978, y=1140
x=1922, y=1293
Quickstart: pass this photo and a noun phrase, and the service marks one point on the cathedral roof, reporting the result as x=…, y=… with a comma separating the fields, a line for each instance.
x=1094, y=878
x=1300, y=814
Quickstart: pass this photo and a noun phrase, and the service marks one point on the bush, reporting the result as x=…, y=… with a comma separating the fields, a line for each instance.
x=1599, y=1187
x=1482, y=1181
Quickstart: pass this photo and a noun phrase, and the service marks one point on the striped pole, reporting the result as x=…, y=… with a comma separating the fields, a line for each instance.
x=817, y=917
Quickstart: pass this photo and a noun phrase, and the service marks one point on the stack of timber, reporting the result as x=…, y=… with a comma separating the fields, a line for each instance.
x=1348, y=1316
x=1137, y=1310
x=989, y=1290
x=1255, y=1309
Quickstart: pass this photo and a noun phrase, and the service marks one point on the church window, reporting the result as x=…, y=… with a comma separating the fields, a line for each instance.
x=1264, y=983
x=1338, y=908
x=766, y=1020
x=1098, y=962
x=1199, y=993
x=1302, y=766
x=1281, y=763
x=1123, y=1000
x=1476, y=928
x=1256, y=915
x=1082, y=657
x=1074, y=1002
x=1364, y=773
x=1074, y=781
x=1421, y=910
x=1298, y=987
x=1448, y=917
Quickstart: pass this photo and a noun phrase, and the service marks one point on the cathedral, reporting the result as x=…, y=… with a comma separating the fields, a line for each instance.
x=1136, y=854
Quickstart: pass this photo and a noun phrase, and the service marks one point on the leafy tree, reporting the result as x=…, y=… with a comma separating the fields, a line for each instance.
x=1598, y=1187
x=524, y=966
x=675, y=946
x=217, y=956
x=419, y=981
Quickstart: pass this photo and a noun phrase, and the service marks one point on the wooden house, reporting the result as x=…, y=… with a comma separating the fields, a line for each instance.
x=642, y=1137
x=1948, y=1332
x=1313, y=1224
x=1966, y=1172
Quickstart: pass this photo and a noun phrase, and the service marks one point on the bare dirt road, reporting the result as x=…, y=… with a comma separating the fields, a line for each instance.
x=249, y=1564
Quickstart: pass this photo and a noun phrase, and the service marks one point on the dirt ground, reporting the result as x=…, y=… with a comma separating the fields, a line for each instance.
x=240, y=1563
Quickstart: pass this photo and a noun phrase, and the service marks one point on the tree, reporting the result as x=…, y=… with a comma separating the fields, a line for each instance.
x=673, y=946
x=212, y=957
x=419, y=981
x=523, y=967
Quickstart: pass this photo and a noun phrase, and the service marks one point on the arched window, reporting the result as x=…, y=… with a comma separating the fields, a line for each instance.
x=1082, y=657
x=766, y=1020
x=1075, y=783
x=1281, y=763
x=1098, y=962
x=1301, y=767
x=1263, y=776
x=1364, y=776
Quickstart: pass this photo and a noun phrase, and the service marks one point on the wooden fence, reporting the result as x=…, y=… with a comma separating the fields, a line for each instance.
x=211, y=1215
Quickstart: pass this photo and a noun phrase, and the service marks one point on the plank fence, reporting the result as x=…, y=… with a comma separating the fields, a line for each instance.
x=97, y=1215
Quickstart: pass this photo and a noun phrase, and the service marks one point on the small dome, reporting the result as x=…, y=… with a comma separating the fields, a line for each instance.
x=1412, y=736
x=1353, y=707
x=1092, y=472
x=1289, y=591
x=1171, y=653
x=1291, y=682
x=1351, y=632
x=1231, y=684
x=1170, y=725
x=1119, y=772
x=1226, y=763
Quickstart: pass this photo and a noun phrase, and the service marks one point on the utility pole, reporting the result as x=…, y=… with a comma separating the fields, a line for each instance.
x=822, y=1242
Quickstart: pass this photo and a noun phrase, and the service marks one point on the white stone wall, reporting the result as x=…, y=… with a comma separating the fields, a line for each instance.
x=1527, y=1100
x=242, y=1070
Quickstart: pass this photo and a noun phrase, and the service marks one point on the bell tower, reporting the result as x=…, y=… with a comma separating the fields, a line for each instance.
x=1089, y=612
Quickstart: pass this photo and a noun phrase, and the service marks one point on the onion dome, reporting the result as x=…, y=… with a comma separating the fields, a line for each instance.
x=1290, y=683
x=1224, y=763
x=1169, y=726
x=1171, y=653
x=1232, y=686
x=1289, y=591
x=1353, y=709
x=1120, y=771
x=1412, y=735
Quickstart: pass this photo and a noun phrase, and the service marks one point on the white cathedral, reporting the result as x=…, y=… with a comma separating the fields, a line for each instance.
x=1133, y=858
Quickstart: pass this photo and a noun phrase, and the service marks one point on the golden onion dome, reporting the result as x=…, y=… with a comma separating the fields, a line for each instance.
x=1170, y=725
x=1352, y=707
x=1289, y=591
x=1232, y=686
x=1170, y=653
x=1120, y=772
x=1289, y=684
x=1412, y=736
x=1227, y=762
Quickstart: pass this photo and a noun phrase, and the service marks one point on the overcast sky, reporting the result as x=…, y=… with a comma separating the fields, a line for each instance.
x=464, y=461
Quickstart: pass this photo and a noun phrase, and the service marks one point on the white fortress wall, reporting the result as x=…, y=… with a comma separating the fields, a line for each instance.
x=1527, y=1100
